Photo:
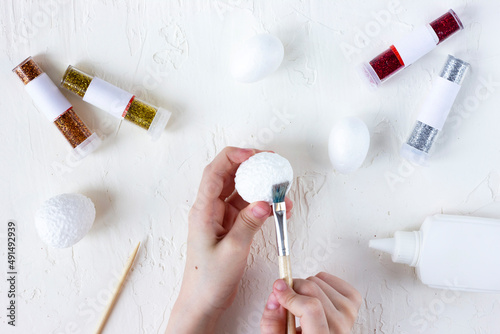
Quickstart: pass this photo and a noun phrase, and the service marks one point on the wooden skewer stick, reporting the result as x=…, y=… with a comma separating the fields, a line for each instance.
x=118, y=289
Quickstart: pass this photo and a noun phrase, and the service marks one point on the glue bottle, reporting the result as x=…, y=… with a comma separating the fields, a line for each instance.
x=450, y=252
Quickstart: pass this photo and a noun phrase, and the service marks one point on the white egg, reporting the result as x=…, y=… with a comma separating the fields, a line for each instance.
x=255, y=177
x=65, y=219
x=256, y=58
x=348, y=144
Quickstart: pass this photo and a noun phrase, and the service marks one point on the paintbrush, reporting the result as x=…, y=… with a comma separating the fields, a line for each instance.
x=279, y=211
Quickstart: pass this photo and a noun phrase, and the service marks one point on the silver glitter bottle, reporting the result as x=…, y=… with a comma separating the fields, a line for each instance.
x=434, y=111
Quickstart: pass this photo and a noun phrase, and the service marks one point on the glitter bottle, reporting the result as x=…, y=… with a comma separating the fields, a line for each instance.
x=435, y=110
x=52, y=103
x=411, y=48
x=116, y=101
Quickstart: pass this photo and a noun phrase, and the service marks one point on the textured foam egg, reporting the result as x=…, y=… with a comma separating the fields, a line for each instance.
x=348, y=144
x=256, y=58
x=65, y=219
x=255, y=177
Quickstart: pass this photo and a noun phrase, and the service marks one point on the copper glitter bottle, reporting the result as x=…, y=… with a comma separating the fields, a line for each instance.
x=51, y=102
x=116, y=101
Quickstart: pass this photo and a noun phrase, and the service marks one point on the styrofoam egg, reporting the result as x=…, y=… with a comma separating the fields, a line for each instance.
x=348, y=144
x=65, y=219
x=255, y=177
x=256, y=58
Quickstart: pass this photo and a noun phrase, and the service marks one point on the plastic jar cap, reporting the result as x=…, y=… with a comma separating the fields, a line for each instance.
x=158, y=124
x=86, y=147
x=455, y=16
x=406, y=248
x=368, y=76
x=413, y=155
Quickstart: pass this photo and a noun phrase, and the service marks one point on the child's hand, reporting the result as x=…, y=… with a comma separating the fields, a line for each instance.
x=324, y=303
x=221, y=228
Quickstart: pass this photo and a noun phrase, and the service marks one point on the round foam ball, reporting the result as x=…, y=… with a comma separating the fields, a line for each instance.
x=65, y=219
x=255, y=177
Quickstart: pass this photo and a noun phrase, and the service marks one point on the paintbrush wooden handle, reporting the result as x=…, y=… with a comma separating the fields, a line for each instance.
x=286, y=275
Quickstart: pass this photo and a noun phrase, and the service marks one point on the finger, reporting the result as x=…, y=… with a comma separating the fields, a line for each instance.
x=341, y=312
x=234, y=204
x=239, y=203
x=308, y=287
x=342, y=287
x=218, y=177
x=230, y=215
x=336, y=299
x=274, y=317
x=309, y=309
x=289, y=207
x=236, y=201
x=246, y=224
x=205, y=224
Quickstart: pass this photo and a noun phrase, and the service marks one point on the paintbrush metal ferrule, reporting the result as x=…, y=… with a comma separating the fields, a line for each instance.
x=279, y=211
x=280, y=206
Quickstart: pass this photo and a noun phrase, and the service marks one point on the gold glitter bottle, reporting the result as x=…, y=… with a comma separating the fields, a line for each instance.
x=51, y=102
x=116, y=101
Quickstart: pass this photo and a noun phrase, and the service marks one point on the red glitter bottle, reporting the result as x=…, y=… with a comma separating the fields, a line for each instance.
x=409, y=49
x=446, y=25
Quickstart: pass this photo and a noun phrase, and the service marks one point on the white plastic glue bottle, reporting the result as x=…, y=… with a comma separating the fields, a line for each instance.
x=450, y=252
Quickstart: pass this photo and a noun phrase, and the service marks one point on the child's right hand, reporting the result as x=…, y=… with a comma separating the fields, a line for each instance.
x=324, y=303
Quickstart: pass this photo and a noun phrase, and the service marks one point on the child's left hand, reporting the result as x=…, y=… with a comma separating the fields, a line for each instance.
x=221, y=228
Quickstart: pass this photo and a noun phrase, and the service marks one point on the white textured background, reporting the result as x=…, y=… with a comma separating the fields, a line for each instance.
x=174, y=54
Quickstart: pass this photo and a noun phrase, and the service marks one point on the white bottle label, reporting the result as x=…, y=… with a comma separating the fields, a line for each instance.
x=47, y=97
x=438, y=104
x=415, y=45
x=108, y=97
x=460, y=253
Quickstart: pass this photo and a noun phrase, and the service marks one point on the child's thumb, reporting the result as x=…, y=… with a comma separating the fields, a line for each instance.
x=248, y=222
x=274, y=317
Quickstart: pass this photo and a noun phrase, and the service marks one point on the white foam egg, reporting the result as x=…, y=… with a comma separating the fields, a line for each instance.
x=256, y=58
x=348, y=144
x=255, y=177
x=65, y=219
